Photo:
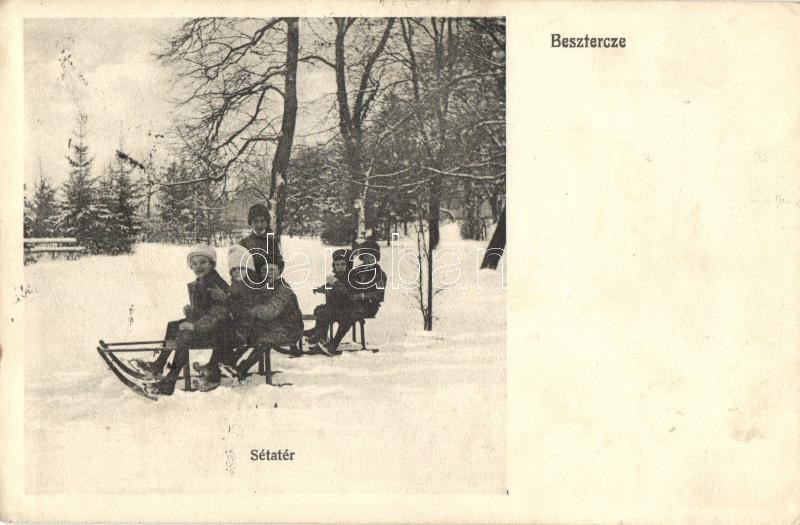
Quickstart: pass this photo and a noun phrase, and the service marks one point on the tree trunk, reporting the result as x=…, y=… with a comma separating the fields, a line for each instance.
x=350, y=122
x=429, y=310
x=497, y=245
x=283, y=151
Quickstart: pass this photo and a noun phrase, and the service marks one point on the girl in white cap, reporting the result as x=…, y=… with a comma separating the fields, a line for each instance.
x=204, y=325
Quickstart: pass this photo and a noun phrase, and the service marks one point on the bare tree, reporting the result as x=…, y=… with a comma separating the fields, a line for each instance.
x=237, y=80
x=358, y=84
x=449, y=66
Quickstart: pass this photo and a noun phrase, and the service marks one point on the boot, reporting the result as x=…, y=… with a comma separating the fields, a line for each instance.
x=243, y=368
x=205, y=384
x=165, y=387
x=152, y=368
x=206, y=370
x=321, y=346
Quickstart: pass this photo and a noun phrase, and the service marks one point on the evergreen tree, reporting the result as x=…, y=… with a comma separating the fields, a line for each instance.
x=27, y=218
x=190, y=212
x=105, y=230
x=173, y=201
x=79, y=215
x=116, y=210
x=45, y=210
x=125, y=210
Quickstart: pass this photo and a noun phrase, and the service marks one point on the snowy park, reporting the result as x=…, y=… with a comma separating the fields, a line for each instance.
x=145, y=137
x=625, y=351
x=413, y=399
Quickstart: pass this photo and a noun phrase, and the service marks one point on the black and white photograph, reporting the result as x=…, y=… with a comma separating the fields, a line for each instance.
x=446, y=261
x=280, y=239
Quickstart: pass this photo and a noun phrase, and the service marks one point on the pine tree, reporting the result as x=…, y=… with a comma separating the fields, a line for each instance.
x=105, y=230
x=27, y=218
x=175, y=205
x=79, y=215
x=117, y=212
x=45, y=210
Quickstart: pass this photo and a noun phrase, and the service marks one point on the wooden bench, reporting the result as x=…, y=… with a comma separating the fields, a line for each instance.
x=53, y=246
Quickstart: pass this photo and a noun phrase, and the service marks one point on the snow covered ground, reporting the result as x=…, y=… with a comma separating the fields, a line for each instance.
x=427, y=413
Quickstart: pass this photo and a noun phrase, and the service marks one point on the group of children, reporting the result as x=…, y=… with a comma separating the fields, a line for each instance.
x=259, y=310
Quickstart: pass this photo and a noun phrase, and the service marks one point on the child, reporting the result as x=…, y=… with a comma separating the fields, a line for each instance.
x=266, y=314
x=368, y=282
x=337, y=301
x=206, y=321
x=261, y=241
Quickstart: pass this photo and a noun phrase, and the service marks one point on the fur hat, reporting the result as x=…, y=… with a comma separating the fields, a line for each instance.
x=201, y=249
x=257, y=210
x=345, y=255
x=239, y=257
x=369, y=247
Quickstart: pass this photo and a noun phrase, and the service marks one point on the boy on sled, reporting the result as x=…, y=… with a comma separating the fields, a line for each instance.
x=350, y=294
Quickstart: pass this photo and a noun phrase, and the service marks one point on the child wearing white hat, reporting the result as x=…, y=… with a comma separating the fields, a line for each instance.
x=204, y=324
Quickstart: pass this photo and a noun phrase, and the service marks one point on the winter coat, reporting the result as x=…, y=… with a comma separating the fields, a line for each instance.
x=205, y=313
x=265, y=244
x=367, y=285
x=337, y=292
x=261, y=313
x=280, y=308
x=242, y=299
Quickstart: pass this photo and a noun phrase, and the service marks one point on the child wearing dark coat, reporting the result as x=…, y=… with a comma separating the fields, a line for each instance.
x=206, y=322
x=364, y=286
x=261, y=241
x=337, y=306
x=368, y=282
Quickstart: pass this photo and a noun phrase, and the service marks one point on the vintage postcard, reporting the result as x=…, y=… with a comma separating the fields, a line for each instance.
x=512, y=262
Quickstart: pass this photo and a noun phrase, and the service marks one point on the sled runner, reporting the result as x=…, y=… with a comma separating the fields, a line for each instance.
x=136, y=346
x=144, y=384
x=115, y=366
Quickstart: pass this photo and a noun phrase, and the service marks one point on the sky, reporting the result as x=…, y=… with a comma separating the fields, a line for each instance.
x=106, y=68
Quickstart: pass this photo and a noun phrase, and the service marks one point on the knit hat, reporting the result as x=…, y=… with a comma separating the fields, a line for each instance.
x=201, y=249
x=257, y=210
x=239, y=257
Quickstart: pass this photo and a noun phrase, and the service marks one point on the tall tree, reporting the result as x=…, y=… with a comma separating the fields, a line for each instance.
x=359, y=51
x=79, y=214
x=241, y=80
x=117, y=209
x=455, y=113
